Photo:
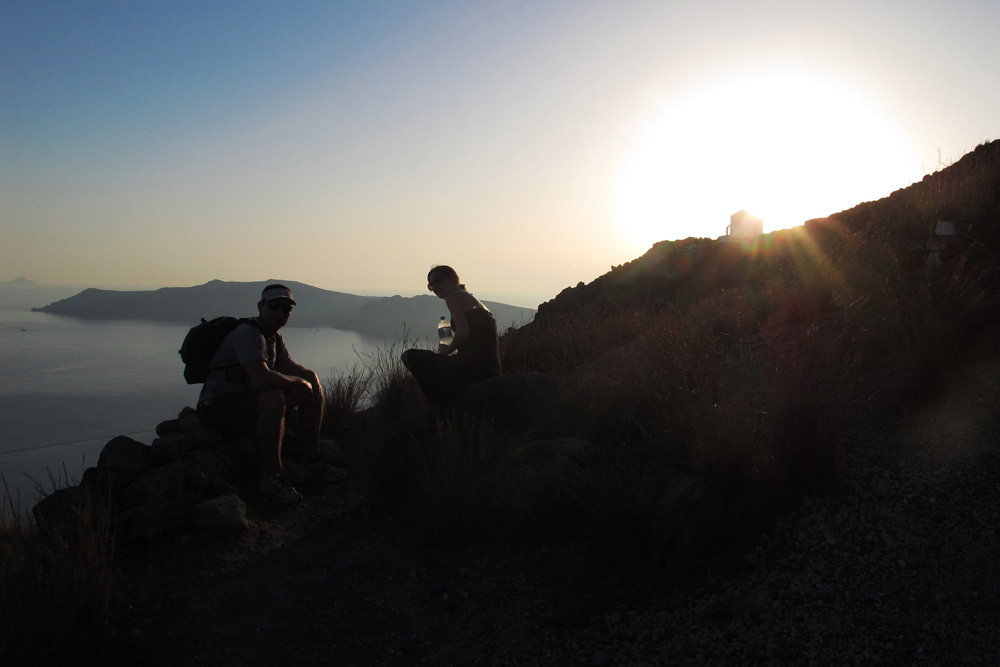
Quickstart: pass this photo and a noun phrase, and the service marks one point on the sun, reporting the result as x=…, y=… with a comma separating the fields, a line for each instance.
x=783, y=145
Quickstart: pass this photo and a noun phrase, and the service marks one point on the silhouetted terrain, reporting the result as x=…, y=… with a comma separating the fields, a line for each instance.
x=375, y=317
x=775, y=452
x=966, y=194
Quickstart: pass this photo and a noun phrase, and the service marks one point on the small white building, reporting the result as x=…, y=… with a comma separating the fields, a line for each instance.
x=742, y=225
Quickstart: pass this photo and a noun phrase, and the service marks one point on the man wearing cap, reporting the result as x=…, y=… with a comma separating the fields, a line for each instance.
x=252, y=385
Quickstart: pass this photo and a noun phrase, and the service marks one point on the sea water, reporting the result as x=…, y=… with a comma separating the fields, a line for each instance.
x=67, y=386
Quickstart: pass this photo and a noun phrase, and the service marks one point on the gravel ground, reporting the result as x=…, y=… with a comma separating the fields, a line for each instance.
x=898, y=567
x=901, y=567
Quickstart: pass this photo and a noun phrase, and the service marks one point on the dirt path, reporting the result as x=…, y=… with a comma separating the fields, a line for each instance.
x=324, y=583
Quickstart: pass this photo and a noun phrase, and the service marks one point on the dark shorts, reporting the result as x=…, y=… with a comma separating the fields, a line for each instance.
x=232, y=413
x=445, y=377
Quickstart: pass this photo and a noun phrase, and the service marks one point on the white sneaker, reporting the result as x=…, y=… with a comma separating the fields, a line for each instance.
x=277, y=487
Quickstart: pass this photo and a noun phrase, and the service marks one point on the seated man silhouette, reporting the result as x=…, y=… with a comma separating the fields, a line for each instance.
x=252, y=386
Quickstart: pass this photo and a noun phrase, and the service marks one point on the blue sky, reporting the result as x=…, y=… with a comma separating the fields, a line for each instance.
x=531, y=145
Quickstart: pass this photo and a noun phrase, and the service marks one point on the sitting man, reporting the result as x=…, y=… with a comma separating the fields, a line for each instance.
x=253, y=384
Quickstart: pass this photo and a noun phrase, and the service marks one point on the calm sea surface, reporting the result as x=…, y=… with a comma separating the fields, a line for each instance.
x=67, y=386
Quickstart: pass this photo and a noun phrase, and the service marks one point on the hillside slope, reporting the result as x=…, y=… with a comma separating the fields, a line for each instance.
x=966, y=193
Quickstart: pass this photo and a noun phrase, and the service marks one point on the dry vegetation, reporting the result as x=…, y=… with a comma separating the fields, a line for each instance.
x=58, y=593
x=740, y=365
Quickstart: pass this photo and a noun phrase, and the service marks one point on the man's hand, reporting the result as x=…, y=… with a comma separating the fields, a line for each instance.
x=315, y=387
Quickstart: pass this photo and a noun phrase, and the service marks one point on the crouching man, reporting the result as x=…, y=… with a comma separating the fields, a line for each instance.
x=252, y=385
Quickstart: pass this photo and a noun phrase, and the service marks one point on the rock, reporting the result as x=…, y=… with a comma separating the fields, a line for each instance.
x=330, y=452
x=171, y=447
x=515, y=403
x=61, y=510
x=100, y=483
x=184, y=480
x=164, y=498
x=212, y=461
x=220, y=487
x=153, y=519
x=249, y=448
x=168, y=427
x=125, y=458
x=222, y=513
x=160, y=499
x=183, y=423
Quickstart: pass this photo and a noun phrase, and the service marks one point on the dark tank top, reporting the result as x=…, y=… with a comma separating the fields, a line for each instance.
x=480, y=355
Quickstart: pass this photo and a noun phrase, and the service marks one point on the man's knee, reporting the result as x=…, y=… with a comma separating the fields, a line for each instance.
x=271, y=401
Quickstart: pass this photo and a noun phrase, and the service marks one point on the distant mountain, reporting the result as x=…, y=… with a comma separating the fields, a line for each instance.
x=22, y=294
x=317, y=307
x=375, y=317
x=20, y=281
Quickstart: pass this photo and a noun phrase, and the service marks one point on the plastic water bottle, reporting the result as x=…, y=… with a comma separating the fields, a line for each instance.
x=445, y=334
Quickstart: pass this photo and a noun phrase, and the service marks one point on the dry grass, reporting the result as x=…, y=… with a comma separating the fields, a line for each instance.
x=57, y=584
x=346, y=395
x=747, y=383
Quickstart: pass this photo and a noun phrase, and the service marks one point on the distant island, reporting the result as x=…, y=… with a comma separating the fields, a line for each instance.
x=383, y=318
x=20, y=281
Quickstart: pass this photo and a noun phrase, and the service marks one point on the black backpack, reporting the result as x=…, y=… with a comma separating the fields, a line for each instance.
x=203, y=340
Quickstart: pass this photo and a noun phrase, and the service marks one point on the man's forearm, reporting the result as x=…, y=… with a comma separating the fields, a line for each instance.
x=299, y=371
x=271, y=379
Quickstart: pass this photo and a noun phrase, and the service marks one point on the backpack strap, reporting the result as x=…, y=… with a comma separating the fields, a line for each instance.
x=252, y=321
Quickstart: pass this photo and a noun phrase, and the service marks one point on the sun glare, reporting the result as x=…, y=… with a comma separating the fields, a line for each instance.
x=782, y=145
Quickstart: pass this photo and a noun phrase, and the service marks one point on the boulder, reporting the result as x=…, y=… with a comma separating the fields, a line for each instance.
x=125, y=458
x=247, y=448
x=182, y=483
x=60, y=510
x=213, y=462
x=163, y=499
x=160, y=500
x=514, y=403
x=153, y=519
x=100, y=483
x=221, y=514
x=171, y=447
x=185, y=421
x=221, y=487
x=191, y=426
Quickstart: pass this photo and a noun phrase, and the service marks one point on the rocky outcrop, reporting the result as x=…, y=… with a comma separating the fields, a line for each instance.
x=180, y=481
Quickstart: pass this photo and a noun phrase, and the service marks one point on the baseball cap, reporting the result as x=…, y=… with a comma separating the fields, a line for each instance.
x=272, y=292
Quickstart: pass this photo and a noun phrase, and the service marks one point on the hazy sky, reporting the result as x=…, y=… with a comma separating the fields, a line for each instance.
x=531, y=145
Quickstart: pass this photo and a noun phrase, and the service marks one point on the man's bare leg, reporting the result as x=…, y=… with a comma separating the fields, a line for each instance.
x=310, y=421
x=271, y=428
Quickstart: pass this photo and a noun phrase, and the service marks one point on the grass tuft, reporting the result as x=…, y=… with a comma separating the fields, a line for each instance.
x=57, y=582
